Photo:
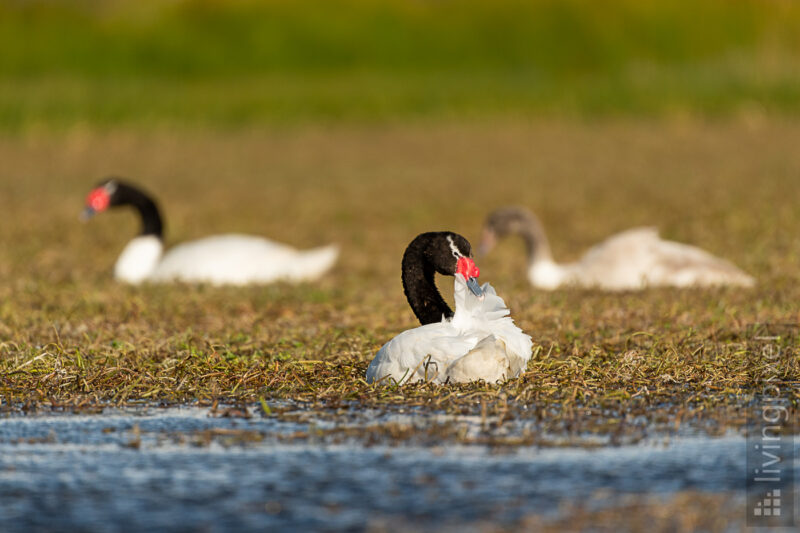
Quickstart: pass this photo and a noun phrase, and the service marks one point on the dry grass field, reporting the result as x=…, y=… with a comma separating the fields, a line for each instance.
x=71, y=336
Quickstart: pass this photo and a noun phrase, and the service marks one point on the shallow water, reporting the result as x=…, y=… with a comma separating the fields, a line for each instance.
x=180, y=469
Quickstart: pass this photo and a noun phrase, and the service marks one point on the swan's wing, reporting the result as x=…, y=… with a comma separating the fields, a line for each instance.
x=639, y=257
x=623, y=261
x=420, y=353
x=490, y=316
x=489, y=359
x=241, y=259
x=231, y=243
x=683, y=265
x=621, y=245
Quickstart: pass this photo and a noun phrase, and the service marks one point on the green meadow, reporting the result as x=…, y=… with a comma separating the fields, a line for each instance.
x=244, y=63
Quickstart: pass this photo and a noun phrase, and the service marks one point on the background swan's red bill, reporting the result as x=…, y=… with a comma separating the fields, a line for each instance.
x=98, y=199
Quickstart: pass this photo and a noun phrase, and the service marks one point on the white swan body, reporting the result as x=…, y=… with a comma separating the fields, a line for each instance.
x=221, y=260
x=480, y=341
x=635, y=259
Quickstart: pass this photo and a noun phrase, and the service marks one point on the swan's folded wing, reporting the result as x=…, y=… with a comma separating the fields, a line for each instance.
x=685, y=265
x=623, y=261
x=623, y=244
x=489, y=360
x=639, y=257
x=420, y=353
x=241, y=259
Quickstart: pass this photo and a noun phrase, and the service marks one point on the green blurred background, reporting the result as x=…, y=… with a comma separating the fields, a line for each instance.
x=243, y=63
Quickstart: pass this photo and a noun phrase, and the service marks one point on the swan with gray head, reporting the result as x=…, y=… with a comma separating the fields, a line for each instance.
x=630, y=260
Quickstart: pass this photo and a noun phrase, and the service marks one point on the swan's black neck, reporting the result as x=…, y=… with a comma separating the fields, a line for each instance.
x=427, y=254
x=152, y=223
x=419, y=284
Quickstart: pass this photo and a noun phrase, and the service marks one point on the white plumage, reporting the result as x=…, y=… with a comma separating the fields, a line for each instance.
x=480, y=341
x=635, y=259
x=222, y=260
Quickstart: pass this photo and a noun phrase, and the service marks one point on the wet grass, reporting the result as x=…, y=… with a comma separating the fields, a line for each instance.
x=72, y=338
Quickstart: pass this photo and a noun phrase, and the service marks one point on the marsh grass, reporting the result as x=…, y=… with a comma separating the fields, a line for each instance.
x=72, y=338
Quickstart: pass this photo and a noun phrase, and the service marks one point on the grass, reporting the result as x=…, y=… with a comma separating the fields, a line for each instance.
x=245, y=63
x=70, y=337
x=713, y=89
x=202, y=38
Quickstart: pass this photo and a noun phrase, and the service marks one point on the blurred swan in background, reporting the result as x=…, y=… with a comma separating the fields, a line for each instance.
x=477, y=341
x=219, y=260
x=634, y=259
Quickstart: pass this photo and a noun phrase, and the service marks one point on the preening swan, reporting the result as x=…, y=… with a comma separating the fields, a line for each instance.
x=634, y=259
x=219, y=260
x=477, y=341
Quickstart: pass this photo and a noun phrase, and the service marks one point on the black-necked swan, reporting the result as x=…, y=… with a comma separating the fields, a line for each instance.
x=633, y=259
x=220, y=260
x=477, y=341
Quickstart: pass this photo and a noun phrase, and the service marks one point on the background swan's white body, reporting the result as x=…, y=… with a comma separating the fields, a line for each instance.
x=639, y=258
x=139, y=259
x=480, y=341
x=221, y=260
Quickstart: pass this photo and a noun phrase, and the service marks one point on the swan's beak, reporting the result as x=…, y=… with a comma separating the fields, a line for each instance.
x=87, y=213
x=474, y=286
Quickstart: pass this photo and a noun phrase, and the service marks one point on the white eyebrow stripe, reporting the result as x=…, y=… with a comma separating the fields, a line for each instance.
x=453, y=247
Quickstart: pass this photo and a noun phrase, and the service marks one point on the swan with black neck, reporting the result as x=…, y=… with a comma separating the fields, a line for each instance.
x=219, y=260
x=477, y=341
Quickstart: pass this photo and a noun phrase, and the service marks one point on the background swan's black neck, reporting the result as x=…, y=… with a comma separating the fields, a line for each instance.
x=419, y=283
x=148, y=210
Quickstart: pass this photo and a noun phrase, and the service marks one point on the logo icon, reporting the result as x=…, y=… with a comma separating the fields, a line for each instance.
x=770, y=505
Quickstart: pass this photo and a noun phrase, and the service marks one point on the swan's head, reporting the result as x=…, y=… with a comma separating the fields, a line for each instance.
x=451, y=254
x=114, y=192
x=501, y=223
x=444, y=252
x=514, y=221
x=103, y=196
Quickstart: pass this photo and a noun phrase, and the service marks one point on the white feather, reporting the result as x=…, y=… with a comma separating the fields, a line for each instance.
x=479, y=342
